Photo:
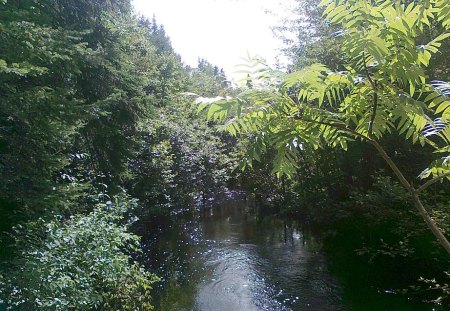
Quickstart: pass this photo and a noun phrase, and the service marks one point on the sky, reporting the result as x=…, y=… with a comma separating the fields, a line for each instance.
x=221, y=31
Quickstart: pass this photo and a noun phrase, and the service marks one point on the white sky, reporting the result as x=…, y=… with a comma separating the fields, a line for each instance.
x=221, y=31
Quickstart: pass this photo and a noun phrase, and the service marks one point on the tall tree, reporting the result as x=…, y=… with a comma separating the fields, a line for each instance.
x=40, y=111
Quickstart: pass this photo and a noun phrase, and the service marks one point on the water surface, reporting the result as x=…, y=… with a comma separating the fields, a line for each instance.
x=226, y=258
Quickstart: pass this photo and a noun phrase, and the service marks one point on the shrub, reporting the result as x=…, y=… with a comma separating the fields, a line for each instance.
x=81, y=263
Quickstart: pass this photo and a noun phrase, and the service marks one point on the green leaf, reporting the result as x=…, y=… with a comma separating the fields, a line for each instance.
x=443, y=106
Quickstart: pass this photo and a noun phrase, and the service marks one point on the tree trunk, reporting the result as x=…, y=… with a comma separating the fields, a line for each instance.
x=415, y=197
x=430, y=222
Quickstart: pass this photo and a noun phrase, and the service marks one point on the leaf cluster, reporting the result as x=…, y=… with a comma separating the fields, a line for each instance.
x=79, y=264
x=382, y=90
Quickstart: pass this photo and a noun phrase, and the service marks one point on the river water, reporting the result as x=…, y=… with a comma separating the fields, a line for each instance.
x=225, y=258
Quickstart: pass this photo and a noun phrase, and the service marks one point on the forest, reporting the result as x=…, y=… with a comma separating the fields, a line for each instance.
x=108, y=140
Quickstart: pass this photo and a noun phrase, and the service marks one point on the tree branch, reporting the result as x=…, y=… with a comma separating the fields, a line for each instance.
x=373, y=114
x=415, y=198
x=375, y=98
x=393, y=166
x=367, y=71
x=335, y=125
x=432, y=181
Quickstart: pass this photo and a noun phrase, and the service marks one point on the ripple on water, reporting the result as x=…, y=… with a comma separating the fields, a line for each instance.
x=235, y=283
x=231, y=263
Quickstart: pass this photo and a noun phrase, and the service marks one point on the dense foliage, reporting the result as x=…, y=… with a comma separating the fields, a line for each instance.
x=97, y=128
x=79, y=264
x=91, y=101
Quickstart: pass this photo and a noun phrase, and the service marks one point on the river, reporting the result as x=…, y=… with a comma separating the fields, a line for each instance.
x=226, y=258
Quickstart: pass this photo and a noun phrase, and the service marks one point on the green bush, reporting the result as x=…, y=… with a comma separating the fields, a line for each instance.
x=82, y=263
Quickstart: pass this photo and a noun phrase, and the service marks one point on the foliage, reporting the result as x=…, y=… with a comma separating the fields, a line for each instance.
x=83, y=84
x=78, y=264
x=180, y=159
x=383, y=89
x=308, y=38
x=69, y=103
x=378, y=226
x=208, y=80
x=384, y=208
x=34, y=136
x=434, y=285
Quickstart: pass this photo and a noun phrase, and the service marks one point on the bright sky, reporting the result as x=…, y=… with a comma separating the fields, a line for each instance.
x=222, y=31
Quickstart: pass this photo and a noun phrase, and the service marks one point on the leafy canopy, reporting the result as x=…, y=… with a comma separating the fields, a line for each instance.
x=382, y=88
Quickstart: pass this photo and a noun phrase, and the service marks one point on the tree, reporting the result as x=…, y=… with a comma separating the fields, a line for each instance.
x=39, y=111
x=383, y=89
x=308, y=38
x=208, y=80
x=74, y=79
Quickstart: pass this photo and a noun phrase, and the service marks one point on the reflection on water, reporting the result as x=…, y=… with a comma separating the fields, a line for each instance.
x=227, y=260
